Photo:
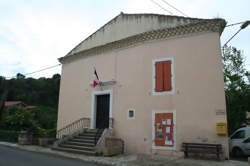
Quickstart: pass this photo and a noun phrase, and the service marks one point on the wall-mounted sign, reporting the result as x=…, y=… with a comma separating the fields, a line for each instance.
x=164, y=129
x=221, y=128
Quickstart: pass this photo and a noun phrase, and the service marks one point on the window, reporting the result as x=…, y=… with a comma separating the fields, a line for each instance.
x=163, y=81
x=247, y=141
x=239, y=135
x=131, y=114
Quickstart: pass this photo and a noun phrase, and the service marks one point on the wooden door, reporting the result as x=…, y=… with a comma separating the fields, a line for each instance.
x=102, y=111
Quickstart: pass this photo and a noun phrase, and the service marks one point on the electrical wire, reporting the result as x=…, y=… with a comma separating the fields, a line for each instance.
x=50, y=67
x=174, y=8
x=243, y=26
x=235, y=24
x=161, y=7
x=37, y=71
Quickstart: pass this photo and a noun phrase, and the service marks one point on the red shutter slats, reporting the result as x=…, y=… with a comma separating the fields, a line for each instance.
x=167, y=76
x=158, y=76
x=163, y=81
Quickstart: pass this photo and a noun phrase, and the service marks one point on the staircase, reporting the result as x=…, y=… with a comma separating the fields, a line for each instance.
x=83, y=143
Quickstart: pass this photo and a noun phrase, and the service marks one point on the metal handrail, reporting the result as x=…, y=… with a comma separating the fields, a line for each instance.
x=99, y=131
x=74, y=126
x=111, y=121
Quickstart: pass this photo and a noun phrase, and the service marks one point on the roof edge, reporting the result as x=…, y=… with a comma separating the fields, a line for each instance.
x=131, y=14
x=218, y=26
x=93, y=34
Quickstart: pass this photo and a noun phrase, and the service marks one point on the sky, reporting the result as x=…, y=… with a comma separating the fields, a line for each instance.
x=35, y=33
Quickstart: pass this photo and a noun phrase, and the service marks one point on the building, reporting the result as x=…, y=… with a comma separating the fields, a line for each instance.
x=16, y=104
x=162, y=82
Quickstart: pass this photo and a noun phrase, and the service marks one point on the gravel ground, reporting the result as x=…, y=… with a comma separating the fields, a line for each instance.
x=132, y=160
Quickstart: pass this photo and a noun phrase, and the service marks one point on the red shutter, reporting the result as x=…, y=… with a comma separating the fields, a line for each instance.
x=167, y=85
x=159, y=76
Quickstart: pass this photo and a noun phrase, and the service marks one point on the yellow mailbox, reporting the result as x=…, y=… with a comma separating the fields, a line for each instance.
x=221, y=128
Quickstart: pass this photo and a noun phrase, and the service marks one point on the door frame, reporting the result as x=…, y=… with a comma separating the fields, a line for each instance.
x=153, y=130
x=93, y=105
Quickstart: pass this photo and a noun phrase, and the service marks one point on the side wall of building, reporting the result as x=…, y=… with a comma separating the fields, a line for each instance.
x=199, y=90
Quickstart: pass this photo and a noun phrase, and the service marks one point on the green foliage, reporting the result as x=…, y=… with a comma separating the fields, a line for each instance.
x=42, y=92
x=9, y=136
x=46, y=117
x=42, y=133
x=41, y=119
x=2, y=84
x=19, y=119
x=39, y=92
x=3, y=93
x=237, y=88
x=234, y=69
x=20, y=76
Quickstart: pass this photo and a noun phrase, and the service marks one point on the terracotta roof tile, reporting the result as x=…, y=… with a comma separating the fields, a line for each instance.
x=11, y=103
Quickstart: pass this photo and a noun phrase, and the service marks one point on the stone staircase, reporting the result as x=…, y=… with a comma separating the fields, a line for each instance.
x=83, y=143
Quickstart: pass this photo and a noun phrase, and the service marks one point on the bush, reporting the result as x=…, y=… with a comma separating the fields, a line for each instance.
x=41, y=121
x=46, y=117
x=19, y=119
x=9, y=136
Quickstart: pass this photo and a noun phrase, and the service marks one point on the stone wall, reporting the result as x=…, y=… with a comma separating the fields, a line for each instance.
x=113, y=146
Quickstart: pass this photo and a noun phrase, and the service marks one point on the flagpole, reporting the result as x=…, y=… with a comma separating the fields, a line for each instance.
x=100, y=83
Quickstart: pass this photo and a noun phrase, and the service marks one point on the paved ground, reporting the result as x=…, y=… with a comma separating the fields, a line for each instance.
x=10, y=156
x=163, y=161
x=28, y=154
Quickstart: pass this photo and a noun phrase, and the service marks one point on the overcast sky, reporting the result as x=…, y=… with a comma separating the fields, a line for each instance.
x=33, y=33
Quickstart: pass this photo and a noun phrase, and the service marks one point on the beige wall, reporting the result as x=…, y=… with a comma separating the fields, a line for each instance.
x=126, y=25
x=198, y=93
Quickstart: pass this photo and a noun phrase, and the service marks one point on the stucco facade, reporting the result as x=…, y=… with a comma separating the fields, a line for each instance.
x=197, y=95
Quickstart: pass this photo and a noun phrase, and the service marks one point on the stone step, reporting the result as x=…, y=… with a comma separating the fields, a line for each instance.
x=90, y=134
x=93, y=130
x=77, y=147
x=87, y=137
x=84, y=143
x=80, y=143
x=83, y=140
x=86, y=152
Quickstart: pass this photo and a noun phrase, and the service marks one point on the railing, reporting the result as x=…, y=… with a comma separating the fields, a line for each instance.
x=99, y=131
x=111, y=123
x=73, y=127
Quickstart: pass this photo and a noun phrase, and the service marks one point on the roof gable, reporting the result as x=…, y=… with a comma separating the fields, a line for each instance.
x=126, y=25
x=129, y=29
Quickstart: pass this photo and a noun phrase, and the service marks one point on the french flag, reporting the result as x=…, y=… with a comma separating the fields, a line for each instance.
x=96, y=80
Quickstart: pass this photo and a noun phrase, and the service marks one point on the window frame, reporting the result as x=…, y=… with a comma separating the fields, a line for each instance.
x=247, y=140
x=133, y=113
x=154, y=112
x=239, y=132
x=154, y=76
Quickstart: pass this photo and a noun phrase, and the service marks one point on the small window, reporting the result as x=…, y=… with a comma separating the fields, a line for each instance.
x=131, y=114
x=239, y=135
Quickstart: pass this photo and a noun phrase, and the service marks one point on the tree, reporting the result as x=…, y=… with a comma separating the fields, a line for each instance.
x=3, y=93
x=20, y=76
x=40, y=119
x=237, y=87
x=19, y=119
x=39, y=92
